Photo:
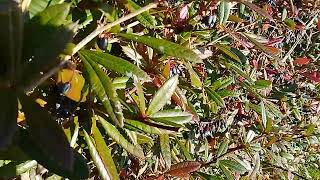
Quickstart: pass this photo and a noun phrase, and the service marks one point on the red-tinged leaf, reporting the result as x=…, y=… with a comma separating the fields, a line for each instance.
x=318, y=24
x=314, y=76
x=300, y=27
x=274, y=50
x=257, y=9
x=183, y=169
x=274, y=41
x=301, y=61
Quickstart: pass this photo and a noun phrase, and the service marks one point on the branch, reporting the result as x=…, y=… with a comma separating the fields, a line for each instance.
x=99, y=30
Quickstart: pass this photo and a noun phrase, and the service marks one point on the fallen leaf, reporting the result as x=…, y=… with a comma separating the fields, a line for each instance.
x=314, y=76
x=301, y=61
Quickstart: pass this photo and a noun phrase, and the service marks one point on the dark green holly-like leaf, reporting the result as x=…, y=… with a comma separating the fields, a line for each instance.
x=34, y=149
x=49, y=136
x=8, y=116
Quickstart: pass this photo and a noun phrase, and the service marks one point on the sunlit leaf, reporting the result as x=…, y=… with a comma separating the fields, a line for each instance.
x=301, y=61
x=262, y=47
x=163, y=95
x=145, y=18
x=224, y=11
x=102, y=86
x=216, y=97
x=233, y=165
x=165, y=149
x=138, y=125
x=98, y=161
x=226, y=172
x=114, y=63
x=195, y=79
x=223, y=147
x=122, y=141
x=183, y=169
x=254, y=7
x=171, y=116
x=165, y=47
x=262, y=84
x=225, y=49
x=14, y=169
x=104, y=153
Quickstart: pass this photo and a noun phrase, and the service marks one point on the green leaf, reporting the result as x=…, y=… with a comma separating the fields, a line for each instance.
x=141, y=103
x=184, y=149
x=290, y=23
x=233, y=165
x=262, y=48
x=120, y=82
x=310, y=129
x=165, y=47
x=104, y=153
x=14, y=169
x=223, y=147
x=226, y=172
x=52, y=16
x=224, y=11
x=8, y=116
x=273, y=109
x=32, y=148
x=114, y=63
x=163, y=95
x=44, y=40
x=144, y=18
x=110, y=91
x=47, y=133
x=227, y=50
x=138, y=125
x=263, y=114
x=165, y=149
x=116, y=136
x=102, y=86
x=262, y=84
x=37, y=6
x=239, y=71
x=171, y=117
x=216, y=97
x=98, y=161
x=195, y=79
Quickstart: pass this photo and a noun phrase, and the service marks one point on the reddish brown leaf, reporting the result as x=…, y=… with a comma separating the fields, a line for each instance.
x=314, y=76
x=318, y=24
x=301, y=61
x=183, y=169
x=257, y=9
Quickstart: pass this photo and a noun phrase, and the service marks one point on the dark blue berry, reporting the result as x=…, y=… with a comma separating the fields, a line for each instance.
x=102, y=43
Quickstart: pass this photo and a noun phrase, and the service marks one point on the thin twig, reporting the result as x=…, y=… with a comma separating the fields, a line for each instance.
x=99, y=30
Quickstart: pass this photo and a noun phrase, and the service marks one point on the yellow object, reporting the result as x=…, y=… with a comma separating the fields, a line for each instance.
x=76, y=81
x=41, y=102
x=21, y=117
